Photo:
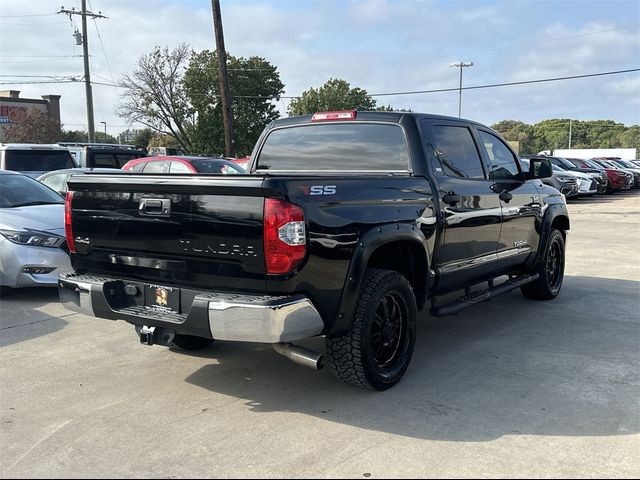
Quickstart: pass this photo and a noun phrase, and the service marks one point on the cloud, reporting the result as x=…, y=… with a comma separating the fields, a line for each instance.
x=378, y=45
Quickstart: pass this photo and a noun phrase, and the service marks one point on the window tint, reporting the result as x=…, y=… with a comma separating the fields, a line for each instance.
x=502, y=163
x=104, y=160
x=457, y=152
x=343, y=146
x=37, y=160
x=179, y=167
x=155, y=167
x=216, y=166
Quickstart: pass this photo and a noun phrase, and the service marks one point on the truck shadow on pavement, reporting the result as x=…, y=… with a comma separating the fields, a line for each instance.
x=569, y=367
x=21, y=318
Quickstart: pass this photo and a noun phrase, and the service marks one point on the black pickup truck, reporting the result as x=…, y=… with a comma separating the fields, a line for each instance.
x=347, y=225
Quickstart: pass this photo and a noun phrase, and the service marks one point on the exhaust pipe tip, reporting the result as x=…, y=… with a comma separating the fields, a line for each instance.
x=300, y=355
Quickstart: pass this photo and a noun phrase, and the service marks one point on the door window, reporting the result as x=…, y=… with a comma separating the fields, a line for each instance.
x=502, y=163
x=457, y=152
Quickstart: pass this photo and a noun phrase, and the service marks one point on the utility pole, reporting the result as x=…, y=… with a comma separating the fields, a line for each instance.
x=85, y=53
x=570, y=122
x=461, y=65
x=227, y=114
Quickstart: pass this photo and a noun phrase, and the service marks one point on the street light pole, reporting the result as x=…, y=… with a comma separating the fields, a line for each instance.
x=105, y=131
x=460, y=65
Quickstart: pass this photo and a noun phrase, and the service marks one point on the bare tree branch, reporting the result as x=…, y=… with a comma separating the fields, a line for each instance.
x=154, y=94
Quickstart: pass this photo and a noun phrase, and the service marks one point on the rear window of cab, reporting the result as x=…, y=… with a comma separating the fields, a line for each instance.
x=336, y=146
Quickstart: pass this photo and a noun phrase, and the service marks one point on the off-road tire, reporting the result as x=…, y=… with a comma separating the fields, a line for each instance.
x=351, y=356
x=551, y=271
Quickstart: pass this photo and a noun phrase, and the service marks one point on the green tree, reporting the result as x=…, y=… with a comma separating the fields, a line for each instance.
x=143, y=137
x=154, y=94
x=30, y=125
x=102, y=138
x=76, y=136
x=254, y=85
x=630, y=138
x=335, y=94
x=162, y=140
x=516, y=131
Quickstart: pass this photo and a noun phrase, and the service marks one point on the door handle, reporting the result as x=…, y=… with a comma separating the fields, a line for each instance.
x=451, y=198
x=505, y=196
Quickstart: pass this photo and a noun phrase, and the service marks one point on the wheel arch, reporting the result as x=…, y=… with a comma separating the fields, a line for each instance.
x=556, y=217
x=401, y=248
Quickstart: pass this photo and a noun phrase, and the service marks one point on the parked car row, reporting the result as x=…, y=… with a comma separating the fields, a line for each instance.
x=575, y=176
x=33, y=246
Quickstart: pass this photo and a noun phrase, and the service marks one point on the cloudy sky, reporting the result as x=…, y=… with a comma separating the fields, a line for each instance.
x=379, y=45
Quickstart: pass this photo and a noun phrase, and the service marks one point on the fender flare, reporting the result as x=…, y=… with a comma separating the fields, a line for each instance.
x=367, y=245
x=554, y=211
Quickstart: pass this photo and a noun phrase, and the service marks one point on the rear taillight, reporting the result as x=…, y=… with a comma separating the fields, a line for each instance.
x=337, y=115
x=68, y=230
x=285, y=241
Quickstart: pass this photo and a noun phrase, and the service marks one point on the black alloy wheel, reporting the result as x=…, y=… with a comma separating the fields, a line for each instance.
x=388, y=329
x=550, y=270
x=375, y=353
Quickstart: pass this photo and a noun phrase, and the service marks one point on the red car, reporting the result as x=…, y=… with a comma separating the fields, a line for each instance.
x=243, y=162
x=183, y=164
x=618, y=179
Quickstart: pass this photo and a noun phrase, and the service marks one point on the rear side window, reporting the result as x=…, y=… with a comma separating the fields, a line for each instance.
x=457, y=152
x=37, y=160
x=338, y=146
x=179, y=167
x=57, y=182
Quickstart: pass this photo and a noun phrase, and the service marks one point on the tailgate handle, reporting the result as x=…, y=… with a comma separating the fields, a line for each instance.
x=155, y=207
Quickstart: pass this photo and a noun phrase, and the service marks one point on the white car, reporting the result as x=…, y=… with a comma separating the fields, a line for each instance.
x=32, y=235
x=586, y=183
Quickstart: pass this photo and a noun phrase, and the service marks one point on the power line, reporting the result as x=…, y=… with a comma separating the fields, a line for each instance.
x=30, y=24
x=31, y=15
x=104, y=52
x=38, y=56
x=84, y=40
x=416, y=92
x=507, y=84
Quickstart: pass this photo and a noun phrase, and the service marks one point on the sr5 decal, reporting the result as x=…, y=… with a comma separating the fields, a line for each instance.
x=322, y=190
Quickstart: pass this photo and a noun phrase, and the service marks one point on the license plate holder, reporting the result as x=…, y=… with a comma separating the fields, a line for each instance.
x=162, y=299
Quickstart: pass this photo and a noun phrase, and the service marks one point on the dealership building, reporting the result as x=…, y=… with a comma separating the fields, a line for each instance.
x=10, y=102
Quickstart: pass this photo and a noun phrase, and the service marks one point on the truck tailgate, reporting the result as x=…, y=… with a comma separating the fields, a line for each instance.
x=200, y=231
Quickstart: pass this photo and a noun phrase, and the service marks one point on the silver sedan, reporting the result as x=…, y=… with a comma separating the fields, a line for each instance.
x=32, y=238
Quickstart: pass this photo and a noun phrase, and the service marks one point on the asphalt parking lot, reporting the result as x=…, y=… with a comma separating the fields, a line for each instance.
x=511, y=388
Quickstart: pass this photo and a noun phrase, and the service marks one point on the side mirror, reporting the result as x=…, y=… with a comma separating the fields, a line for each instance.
x=539, y=168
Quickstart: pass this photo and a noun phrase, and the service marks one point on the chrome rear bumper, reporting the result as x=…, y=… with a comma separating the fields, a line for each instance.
x=221, y=316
